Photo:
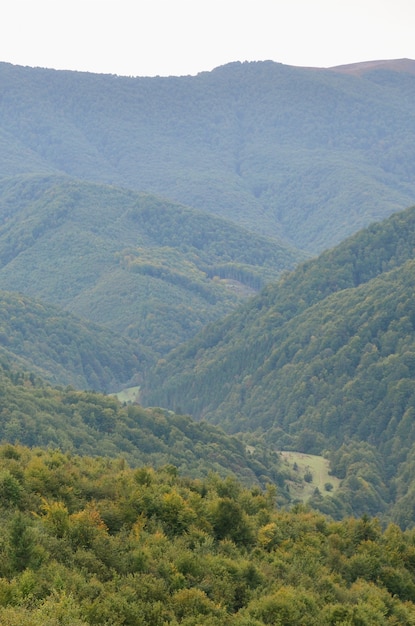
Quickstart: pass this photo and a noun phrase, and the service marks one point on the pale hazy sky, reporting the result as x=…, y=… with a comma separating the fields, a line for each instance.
x=177, y=37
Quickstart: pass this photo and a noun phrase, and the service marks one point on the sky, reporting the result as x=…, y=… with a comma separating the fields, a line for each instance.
x=181, y=37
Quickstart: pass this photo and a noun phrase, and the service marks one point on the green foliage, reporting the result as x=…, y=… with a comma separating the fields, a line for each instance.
x=151, y=270
x=313, y=363
x=324, y=360
x=307, y=155
x=308, y=477
x=320, y=361
x=176, y=558
x=66, y=350
x=35, y=414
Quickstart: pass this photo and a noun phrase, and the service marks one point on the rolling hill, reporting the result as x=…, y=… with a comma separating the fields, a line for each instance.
x=159, y=233
x=143, y=267
x=303, y=154
x=321, y=362
x=154, y=207
x=35, y=414
x=66, y=350
x=241, y=342
x=255, y=167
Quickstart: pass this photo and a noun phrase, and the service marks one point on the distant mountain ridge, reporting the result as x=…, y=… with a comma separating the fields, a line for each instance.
x=155, y=207
x=256, y=167
x=305, y=155
x=395, y=65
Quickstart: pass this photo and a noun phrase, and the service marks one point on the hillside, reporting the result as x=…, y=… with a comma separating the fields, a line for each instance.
x=88, y=423
x=243, y=340
x=143, y=267
x=406, y=66
x=300, y=154
x=321, y=361
x=157, y=239
x=64, y=349
x=93, y=542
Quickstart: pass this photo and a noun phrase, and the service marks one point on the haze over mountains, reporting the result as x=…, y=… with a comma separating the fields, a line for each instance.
x=305, y=155
x=143, y=267
x=260, y=157
x=156, y=207
x=238, y=246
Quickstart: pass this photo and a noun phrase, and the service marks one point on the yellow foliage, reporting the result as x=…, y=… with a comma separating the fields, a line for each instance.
x=266, y=535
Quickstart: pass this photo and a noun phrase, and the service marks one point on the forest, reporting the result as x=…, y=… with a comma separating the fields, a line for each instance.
x=319, y=362
x=34, y=413
x=66, y=350
x=206, y=297
x=305, y=155
x=149, y=269
x=92, y=541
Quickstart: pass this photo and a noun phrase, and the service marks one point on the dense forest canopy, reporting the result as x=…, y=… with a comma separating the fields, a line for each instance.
x=159, y=233
x=91, y=541
x=146, y=268
x=303, y=154
x=89, y=423
x=64, y=349
x=257, y=326
x=320, y=362
x=255, y=167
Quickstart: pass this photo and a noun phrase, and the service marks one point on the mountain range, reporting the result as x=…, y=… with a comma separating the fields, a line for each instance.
x=155, y=206
x=144, y=267
x=237, y=244
x=320, y=362
x=305, y=155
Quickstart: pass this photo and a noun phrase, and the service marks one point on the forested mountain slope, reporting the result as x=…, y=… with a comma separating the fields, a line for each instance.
x=323, y=358
x=144, y=267
x=66, y=350
x=241, y=342
x=112, y=513
x=88, y=423
x=309, y=155
x=93, y=542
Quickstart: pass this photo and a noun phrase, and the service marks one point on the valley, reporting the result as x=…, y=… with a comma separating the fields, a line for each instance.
x=207, y=353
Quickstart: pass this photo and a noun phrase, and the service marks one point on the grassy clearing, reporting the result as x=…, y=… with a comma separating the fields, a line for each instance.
x=309, y=472
x=129, y=396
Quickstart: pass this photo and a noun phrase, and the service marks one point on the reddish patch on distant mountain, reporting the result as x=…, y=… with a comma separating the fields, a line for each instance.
x=396, y=65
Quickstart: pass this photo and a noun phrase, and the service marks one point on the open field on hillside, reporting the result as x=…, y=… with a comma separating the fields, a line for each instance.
x=131, y=395
x=312, y=472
